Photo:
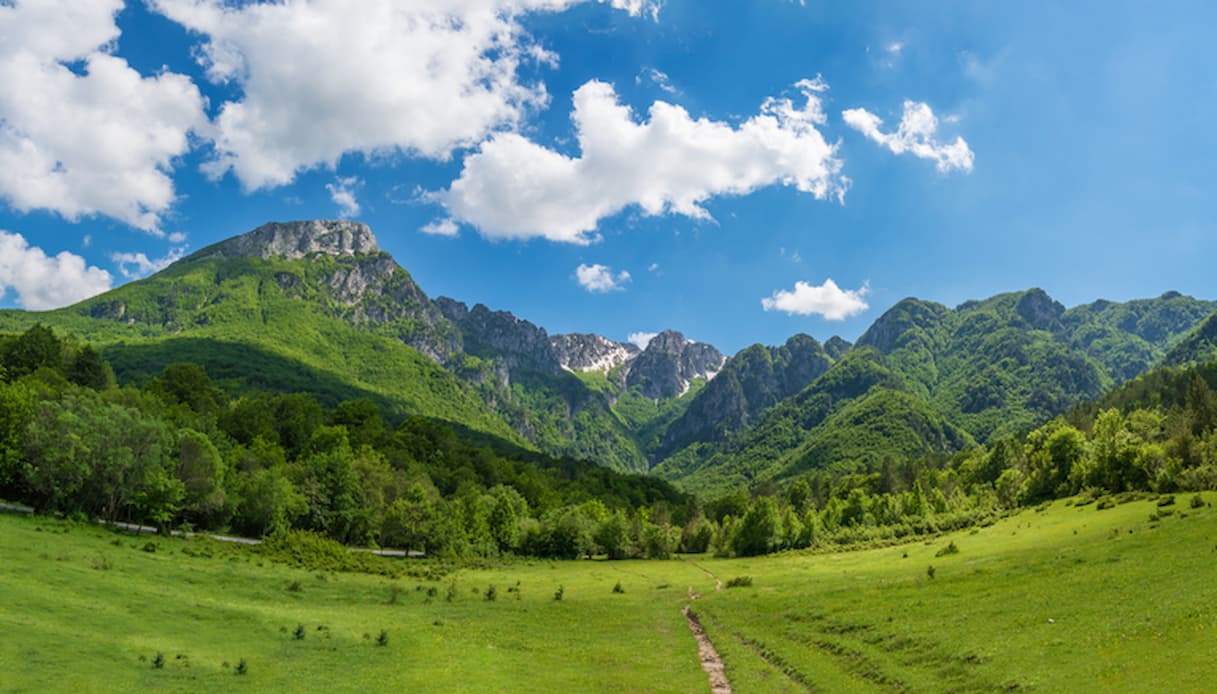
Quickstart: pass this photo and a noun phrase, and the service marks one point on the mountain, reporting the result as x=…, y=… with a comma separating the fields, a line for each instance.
x=316, y=306
x=1197, y=346
x=928, y=379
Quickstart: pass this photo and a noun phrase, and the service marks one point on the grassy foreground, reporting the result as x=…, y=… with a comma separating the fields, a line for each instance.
x=1063, y=599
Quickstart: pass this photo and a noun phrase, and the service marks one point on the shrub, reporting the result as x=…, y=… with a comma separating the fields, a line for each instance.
x=383, y=638
x=432, y=592
x=618, y=589
x=1197, y=502
x=150, y=547
x=930, y=571
x=101, y=563
x=740, y=582
x=451, y=591
x=242, y=667
x=949, y=549
x=559, y=593
x=491, y=593
x=1105, y=503
x=158, y=661
x=294, y=587
x=394, y=593
x=1168, y=500
x=298, y=632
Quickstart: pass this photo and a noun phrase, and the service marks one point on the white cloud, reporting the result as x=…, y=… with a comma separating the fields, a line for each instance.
x=915, y=135
x=441, y=227
x=43, y=282
x=895, y=47
x=827, y=300
x=143, y=264
x=657, y=77
x=600, y=279
x=641, y=339
x=653, y=267
x=319, y=79
x=342, y=192
x=670, y=164
x=100, y=142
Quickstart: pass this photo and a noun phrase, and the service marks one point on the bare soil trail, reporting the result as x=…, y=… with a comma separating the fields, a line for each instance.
x=711, y=662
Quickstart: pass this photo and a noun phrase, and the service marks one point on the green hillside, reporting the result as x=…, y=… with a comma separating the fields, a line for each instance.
x=927, y=379
x=267, y=323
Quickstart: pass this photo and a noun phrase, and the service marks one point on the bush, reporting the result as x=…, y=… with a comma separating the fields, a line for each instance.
x=1197, y=502
x=294, y=587
x=559, y=593
x=1105, y=503
x=491, y=593
x=930, y=571
x=1168, y=500
x=949, y=549
x=298, y=632
x=618, y=589
x=740, y=582
x=394, y=593
x=158, y=662
x=242, y=667
x=383, y=639
x=451, y=591
x=150, y=547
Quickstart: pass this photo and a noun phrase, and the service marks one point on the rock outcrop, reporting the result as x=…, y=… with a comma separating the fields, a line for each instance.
x=668, y=365
x=589, y=352
x=293, y=240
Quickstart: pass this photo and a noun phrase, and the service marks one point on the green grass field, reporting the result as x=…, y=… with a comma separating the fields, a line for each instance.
x=1063, y=599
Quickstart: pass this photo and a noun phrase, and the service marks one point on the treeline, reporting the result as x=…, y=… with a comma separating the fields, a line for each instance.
x=178, y=451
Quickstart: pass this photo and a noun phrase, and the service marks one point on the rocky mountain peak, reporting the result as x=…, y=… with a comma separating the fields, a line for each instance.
x=589, y=352
x=668, y=365
x=1040, y=311
x=293, y=240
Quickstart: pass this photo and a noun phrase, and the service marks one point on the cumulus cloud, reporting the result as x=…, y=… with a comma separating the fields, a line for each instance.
x=641, y=339
x=441, y=227
x=342, y=192
x=44, y=282
x=318, y=79
x=136, y=265
x=827, y=300
x=600, y=278
x=669, y=164
x=97, y=140
x=915, y=135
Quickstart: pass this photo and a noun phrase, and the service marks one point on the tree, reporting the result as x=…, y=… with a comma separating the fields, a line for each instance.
x=1052, y=452
x=758, y=532
x=89, y=370
x=189, y=385
x=201, y=470
x=34, y=349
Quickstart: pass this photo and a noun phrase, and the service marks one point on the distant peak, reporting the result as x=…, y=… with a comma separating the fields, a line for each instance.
x=291, y=240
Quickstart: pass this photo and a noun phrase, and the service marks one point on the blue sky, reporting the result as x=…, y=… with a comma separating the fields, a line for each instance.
x=1062, y=145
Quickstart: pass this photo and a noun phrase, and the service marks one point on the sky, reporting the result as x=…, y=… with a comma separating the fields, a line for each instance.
x=739, y=171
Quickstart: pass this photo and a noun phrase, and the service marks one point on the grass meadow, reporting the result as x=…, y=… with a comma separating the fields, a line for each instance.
x=1063, y=598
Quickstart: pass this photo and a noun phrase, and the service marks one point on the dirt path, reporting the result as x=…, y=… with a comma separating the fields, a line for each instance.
x=710, y=660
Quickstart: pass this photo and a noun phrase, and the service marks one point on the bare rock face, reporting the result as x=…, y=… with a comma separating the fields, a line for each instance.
x=293, y=240
x=668, y=365
x=589, y=352
x=513, y=342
